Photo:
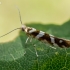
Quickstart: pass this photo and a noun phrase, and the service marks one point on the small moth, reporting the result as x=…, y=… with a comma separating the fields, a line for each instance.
x=42, y=36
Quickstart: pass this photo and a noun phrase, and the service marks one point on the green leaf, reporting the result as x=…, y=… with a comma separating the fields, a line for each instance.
x=16, y=55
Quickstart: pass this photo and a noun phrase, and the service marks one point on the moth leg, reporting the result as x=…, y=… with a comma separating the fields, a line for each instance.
x=27, y=40
x=35, y=50
x=52, y=47
x=33, y=45
x=30, y=39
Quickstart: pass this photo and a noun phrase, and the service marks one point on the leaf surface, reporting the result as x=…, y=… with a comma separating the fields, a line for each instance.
x=16, y=55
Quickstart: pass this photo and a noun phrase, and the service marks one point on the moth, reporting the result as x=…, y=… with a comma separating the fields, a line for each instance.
x=42, y=36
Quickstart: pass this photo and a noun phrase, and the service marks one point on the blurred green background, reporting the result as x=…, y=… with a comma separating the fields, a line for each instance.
x=43, y=11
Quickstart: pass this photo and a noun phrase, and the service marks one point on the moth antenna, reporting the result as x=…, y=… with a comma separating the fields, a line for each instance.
x=9, y=32
x=15, y=28
x=19, y=15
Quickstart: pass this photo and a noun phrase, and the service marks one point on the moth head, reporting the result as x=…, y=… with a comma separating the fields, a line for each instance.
x=23, y=27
